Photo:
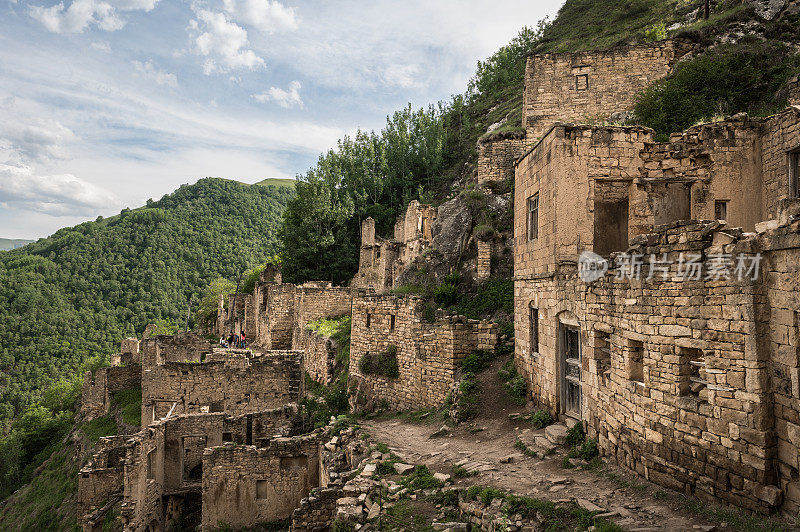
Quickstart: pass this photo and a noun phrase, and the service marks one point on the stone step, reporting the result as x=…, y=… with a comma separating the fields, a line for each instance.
x=543, y=445
x=556, y=433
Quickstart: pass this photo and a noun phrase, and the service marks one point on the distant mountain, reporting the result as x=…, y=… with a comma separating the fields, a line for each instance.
x=13, y=243
x=277, y=182
x=76, y=293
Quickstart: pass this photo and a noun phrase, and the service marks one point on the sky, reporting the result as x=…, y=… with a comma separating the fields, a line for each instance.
x=106, y=103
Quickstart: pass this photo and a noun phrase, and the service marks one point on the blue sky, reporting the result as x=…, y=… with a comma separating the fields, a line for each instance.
x=105, y=103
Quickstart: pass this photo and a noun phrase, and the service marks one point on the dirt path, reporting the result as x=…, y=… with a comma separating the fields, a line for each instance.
x=487, y=444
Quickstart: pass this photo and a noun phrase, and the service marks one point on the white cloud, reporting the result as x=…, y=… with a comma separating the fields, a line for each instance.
x=81, y=13
x=284, y=98
x=404, y=76
x=265, y=15
x=224, y=44
x=55, y=195
x=102, y=46
x=151, y=72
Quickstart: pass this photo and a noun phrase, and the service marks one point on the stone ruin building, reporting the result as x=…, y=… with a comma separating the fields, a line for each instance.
x=689, y=380
x=429, y=355
x=381, y=261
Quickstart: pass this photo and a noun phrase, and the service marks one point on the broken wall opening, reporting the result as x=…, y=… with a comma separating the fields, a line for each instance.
x=671, y=202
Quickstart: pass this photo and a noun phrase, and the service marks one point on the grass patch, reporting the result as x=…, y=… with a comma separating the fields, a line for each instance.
x=129, y=403
x=553, y=516
x=728, y=79
x=513, y=383
x=468, y=398
x=99, y=427
x=48, y=501
x=383, y=363
x=422, y=479
x=458, y=471
x=541, y=418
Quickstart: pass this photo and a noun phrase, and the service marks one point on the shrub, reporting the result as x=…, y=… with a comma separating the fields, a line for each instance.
x=724, y=80
x=445, y=294
x=541, y=419
x=517, y=388
x=477, y=361
x=461, y=472
x=575, y=435
x=656, y=32
x=383, y=363
x=467, y=405
x=423, y=479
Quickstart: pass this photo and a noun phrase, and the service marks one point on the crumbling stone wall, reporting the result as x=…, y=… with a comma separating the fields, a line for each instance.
x=714, y=162
x=244, y=485
x=101, y=478
x=484, y=269
x=319, y=359
x=161, y=464
x=382, y=261
x=496, y=159
x=583, y=86
x=182, y=347
x=237, y=385
x=428, y=355
x=584, y=181
x=716, y=441
x=100, y=386
x=674, y=383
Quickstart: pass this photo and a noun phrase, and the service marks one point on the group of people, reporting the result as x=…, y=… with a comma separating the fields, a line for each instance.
x=234, y=340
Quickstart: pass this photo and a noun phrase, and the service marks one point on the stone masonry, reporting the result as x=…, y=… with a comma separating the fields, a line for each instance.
x=154, y=472
x=667, y=373
x=232, y=382
x=100, y=386
x=428, y=354
x=243, y=485
x=382, y=260
x=592, y=85
x=496, y=159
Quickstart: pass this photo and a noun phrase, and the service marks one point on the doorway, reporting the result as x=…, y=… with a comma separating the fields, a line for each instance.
x=570, y=370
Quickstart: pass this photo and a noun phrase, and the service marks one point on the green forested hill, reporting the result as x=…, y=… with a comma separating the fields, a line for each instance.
x=77, y=293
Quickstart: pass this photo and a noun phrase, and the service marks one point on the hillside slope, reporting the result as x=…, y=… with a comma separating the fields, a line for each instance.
x=75, y=294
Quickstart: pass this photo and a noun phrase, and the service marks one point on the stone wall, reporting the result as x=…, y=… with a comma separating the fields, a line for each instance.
x=587, y=86
x=484, y=268
x=319, y=359
x=236, y=385
x=160, y=465
x=674, y=383
x=496, y=159
x=99, y=387
x=382, y=261
x=101, y=478
x=245, y=485
x=428, y=354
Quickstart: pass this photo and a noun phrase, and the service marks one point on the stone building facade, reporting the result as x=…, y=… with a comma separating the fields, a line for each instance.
x=381, y=261
x=228, y=381
x=592, y=85
x=157, y=471
x=243, y=485
x=276, y=312
x=428, y=354
x=688, y=382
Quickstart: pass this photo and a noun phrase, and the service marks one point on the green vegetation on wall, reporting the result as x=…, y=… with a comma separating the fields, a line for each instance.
x=727, y=79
